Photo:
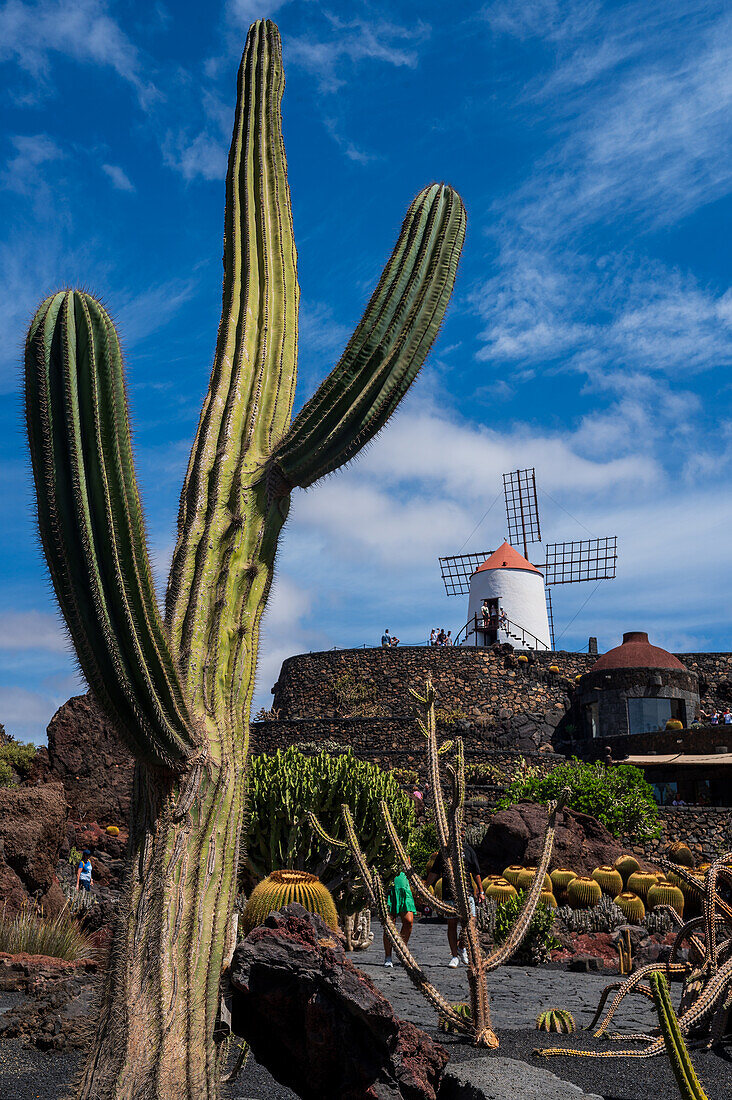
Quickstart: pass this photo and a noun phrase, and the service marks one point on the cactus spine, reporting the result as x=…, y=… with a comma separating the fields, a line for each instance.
x=282, y=887
x=557, y=1020
x=179, y=689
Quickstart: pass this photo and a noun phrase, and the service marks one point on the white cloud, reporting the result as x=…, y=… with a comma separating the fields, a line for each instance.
x=203, y=155
x=30, y=34
x=22, y=172
x=32, y=630
x=119, y=177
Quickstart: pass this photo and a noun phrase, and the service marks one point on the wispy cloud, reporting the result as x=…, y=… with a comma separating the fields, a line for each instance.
x=23, y=170
x=32, y=630
x=31, y=34
x=119, y=177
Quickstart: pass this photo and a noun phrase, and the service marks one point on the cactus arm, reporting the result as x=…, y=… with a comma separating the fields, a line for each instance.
x=387, y=349
x=227, y=530
x=91, y=526
x=418, y=887
x=684, y=1072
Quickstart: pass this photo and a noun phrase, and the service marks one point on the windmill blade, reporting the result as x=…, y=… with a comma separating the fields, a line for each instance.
x=550, y=615
x=522, y=508
x=457, y=571
x=580, y=560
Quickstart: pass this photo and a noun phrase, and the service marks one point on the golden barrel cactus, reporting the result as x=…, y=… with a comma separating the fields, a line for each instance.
x=640, y=883
x=681, y=853
x=665, y=893
x=526, y=878
x=627, y=865
x=583, y=892
x=511, y=874
x=500, y=890
x=609, y=878
x=631, y=906
x=282, y=887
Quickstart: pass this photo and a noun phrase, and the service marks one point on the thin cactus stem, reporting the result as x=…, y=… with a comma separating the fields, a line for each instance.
x=684, y=1072
x=442, y=908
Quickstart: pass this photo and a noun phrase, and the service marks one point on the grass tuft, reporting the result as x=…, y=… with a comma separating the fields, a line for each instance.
x=31, y=933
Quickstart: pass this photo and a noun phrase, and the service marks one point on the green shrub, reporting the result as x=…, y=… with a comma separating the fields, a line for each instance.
x=32, y=933
x=538, y=942
x=616, y=794
x=406, y=777
x=422, y=843
x=284, y=786
x=16, y=761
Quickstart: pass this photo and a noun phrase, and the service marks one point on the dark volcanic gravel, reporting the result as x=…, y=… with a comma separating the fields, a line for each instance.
x=517, y=994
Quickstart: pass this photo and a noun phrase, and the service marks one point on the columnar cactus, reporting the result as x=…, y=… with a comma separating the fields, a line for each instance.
x=179, y=687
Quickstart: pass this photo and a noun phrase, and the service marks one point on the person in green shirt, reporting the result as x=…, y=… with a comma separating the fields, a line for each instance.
x=400, y=903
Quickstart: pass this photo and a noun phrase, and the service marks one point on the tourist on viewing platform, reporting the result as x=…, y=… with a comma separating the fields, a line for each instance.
x=727, y=716
x=386, y=639
x=715, y=718
x=472, y=870
x=433, y=637
x=441, y=636
x=448, y=638
x=503, y=621
x=394, y=641
x=400, y=903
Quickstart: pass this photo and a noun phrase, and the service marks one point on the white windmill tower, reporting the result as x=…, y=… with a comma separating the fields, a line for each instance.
x=509, y=597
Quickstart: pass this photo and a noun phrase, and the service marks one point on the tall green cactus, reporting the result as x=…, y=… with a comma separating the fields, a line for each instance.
x=179, y=689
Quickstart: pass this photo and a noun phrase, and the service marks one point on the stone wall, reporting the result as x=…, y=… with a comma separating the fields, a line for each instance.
x=501, y=699
x=706, y=829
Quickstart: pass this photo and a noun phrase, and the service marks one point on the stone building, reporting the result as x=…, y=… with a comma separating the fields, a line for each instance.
x=636, y=688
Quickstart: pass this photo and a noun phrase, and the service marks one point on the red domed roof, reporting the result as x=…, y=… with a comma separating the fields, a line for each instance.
x=505, y=557
x=636, y=652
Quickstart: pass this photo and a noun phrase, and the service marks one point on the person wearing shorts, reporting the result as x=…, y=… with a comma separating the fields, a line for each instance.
x=400, y=903
x=472, y=869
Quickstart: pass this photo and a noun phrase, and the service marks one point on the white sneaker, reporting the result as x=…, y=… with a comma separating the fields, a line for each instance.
x=464, y=956
x=389, y=963
x=454, y=962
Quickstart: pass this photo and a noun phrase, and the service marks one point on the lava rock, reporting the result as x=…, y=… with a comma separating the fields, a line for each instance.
x=516, y=835
x=86, y=754
x=318, y=1024
x=497, y=1078
x=32, y=831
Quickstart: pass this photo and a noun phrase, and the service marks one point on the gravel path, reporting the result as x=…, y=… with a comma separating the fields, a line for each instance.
x=517, y=994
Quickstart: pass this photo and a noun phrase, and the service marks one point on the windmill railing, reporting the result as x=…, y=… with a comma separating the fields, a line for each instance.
x=476, y=627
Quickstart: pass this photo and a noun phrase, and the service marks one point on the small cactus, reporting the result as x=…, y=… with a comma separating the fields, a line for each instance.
x=463, y=1010
x=561, y=878
x=674, y=724
x=631, y=905
x=583, y=892
x=112, y=830
x=681, y=854
x=627, y=865
x=557, y=1020
x=282, y=887
x=640, y=883
x=546, y=897
x=609, y=879
x=665, y=893
x=554, y=668
x=523, y=659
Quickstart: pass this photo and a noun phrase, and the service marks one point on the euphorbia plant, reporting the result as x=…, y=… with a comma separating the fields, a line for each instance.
x=179, y=686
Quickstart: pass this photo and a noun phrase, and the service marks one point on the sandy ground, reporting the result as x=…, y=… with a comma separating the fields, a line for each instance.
x=517, y=994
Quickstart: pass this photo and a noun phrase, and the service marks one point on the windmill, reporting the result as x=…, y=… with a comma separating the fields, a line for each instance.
x=512, y=586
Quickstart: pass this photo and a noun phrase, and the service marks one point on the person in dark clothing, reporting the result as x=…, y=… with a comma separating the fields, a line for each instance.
x=472, y=869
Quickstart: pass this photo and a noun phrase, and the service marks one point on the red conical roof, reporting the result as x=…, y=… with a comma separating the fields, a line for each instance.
x=505, y=557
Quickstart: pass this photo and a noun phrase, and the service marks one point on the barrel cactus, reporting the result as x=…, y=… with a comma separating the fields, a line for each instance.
x=500, y=890
x=665, y=893
x=178, y=687
x=681, y=853
x=546, y=897
x=561, y=878
x=557, y=1020
x=511, y=874
x=640, y=883
x=112, y=830
x=627, y=865
x=583, y=892
x=674, y=724
x=632, y=906
x=526, y=878
x=609, y=878
x=282, y=887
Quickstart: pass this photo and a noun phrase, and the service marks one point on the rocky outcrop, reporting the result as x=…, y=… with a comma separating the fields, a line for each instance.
x=86, y=754
x=318, y=1024
x=516, y=835
x=32, y=831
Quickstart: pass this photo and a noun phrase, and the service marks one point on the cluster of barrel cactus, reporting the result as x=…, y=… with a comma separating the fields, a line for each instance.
x=282, y=887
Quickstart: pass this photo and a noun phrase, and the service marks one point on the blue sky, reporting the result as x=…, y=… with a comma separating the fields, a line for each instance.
x=589, y=333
